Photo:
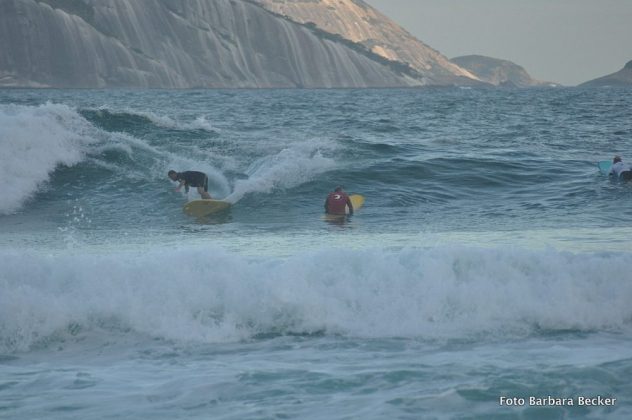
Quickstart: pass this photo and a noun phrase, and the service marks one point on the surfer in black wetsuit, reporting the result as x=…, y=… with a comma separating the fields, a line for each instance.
x=191, y=179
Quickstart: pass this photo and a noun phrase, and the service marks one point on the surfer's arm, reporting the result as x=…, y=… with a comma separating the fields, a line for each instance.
x=350, y=205
x=179, y=187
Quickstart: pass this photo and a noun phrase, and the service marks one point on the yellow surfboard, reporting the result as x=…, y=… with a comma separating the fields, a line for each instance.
x=357, y=200
x=201, y=208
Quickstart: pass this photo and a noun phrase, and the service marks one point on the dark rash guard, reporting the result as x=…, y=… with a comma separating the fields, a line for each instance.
x=193, y=179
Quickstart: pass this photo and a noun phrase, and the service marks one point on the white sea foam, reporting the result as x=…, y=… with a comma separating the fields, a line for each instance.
x=292, y=166
x=201, y=123
x=204, y=294
x=34, y=141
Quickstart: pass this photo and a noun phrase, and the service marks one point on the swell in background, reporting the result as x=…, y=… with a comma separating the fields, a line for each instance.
x=450, y=159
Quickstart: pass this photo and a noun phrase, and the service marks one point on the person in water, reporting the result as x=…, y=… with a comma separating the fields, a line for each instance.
x=337, y=201
x=191, y=179
x=622, y=171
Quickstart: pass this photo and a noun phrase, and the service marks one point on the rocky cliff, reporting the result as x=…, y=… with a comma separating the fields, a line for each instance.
x=621, y=78
x=188, y=44
x=498, y=72
x=358, y=22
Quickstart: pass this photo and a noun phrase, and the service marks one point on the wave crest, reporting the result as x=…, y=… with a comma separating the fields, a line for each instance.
x=292, y=166
x=209, y=295
x=34, y=141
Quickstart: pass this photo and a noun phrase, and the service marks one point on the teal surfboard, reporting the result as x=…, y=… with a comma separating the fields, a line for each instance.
x=604, y=166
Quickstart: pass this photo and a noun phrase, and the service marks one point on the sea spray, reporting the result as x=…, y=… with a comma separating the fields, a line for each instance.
x=288, y=168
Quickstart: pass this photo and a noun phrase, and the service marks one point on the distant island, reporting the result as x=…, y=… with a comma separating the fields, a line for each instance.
x=498, y=72
x=621, y=78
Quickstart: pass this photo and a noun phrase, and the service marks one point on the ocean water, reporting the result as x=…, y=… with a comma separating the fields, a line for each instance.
x=492, y=262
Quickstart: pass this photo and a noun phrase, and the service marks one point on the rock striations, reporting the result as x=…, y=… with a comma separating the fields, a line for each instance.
x=358, y=22
x=211, y=43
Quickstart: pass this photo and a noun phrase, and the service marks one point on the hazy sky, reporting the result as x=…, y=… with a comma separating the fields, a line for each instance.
x=564, y=41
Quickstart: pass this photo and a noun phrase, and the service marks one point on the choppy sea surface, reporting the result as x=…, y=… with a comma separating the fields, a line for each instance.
x=491, y=261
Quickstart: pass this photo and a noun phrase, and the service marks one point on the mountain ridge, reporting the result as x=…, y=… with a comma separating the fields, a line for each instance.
x=176, y=44
x=361, y=23
x=199, y=44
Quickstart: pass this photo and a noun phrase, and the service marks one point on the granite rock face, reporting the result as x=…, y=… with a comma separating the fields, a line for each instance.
x=358, y=22
x=183, y=44
x=498, y=72
x=621, y=78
